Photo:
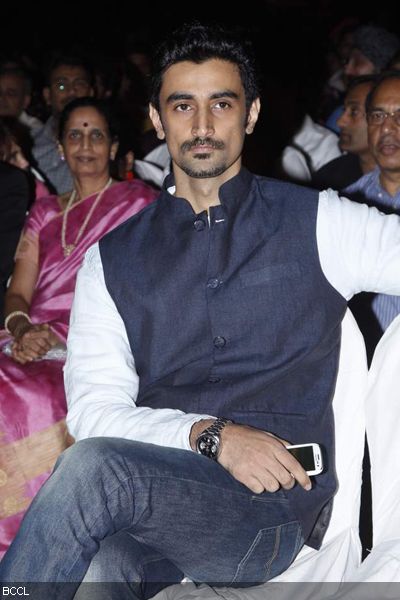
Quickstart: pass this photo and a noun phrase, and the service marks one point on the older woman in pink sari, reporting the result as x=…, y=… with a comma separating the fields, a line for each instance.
x=58, y=231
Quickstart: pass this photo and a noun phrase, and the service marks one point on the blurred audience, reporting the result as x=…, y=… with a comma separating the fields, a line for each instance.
x=373, y=47
x=16, y=95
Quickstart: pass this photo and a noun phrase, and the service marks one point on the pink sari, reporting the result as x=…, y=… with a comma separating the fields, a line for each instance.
x=32, y=399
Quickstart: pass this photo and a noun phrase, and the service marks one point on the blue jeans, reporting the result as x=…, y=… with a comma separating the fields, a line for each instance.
x=171, y=513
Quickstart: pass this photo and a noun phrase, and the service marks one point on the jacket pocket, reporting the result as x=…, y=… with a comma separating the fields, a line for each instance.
x=269, y=273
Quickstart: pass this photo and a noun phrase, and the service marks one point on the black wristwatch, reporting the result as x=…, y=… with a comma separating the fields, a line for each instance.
x=208, y=442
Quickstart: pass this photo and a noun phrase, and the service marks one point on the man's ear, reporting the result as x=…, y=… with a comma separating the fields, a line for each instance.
x=156, y=120
x=253, y=115
x=46, y=95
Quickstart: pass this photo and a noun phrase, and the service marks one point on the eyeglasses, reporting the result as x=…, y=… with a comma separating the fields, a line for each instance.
x=378, y=117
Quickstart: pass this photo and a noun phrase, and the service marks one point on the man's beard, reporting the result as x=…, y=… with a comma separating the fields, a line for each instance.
x=201, y=173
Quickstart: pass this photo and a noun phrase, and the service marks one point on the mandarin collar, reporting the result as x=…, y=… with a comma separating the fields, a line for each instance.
x=231, y=194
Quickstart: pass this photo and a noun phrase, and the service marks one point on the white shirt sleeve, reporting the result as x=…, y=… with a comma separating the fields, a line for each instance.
x=100, y=378
x=359, y=247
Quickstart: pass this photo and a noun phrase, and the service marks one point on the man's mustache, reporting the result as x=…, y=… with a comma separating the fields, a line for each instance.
x=199, y=141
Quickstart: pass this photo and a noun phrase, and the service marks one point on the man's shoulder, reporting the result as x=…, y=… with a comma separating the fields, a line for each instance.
x=365, y=182
x=270, y=187
x=43, y=135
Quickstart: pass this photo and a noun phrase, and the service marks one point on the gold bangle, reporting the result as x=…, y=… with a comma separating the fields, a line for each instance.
x=15, y=313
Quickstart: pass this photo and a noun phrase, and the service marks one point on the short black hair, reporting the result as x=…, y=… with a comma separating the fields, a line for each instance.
x=359, y=80
x=21, y=73
x=198, y=43
x=392, y=74
x=102, y=106
x=71, y=60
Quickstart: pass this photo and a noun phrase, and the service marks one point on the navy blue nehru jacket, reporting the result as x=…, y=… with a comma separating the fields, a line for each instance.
x=235, y=317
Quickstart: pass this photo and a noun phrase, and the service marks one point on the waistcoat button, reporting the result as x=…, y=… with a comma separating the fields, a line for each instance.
x=213, y=283
x=199, y=225
x=214, y=379
x=219, y=341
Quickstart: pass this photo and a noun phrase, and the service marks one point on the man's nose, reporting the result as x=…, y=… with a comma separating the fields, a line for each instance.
x=389, y=124
x=203, y=125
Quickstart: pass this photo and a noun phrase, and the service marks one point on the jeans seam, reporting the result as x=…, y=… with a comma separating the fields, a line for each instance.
x=299, y=538
x=275, y=551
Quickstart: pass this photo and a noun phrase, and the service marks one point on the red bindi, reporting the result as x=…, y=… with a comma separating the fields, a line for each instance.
x=85, y=124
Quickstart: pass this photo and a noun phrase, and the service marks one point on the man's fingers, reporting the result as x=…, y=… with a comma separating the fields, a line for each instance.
x=295, y=469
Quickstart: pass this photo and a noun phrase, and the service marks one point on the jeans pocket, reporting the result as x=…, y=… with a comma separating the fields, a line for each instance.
x=271, y=553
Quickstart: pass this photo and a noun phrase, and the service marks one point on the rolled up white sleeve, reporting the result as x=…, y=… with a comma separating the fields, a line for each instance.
x=100, y=378
x=359, y=247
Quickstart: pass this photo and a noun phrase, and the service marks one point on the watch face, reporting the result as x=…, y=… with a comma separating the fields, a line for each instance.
x=208, y=445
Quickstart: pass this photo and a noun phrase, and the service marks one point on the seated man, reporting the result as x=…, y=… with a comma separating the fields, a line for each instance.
x=204, y=339
x=67, y=77
x=15, y=97
x=356, y=159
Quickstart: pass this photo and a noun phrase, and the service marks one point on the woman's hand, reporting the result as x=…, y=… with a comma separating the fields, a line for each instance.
x=33, y=342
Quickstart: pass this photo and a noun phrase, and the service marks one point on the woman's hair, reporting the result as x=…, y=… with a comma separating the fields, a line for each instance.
x=102, y=107
x=197, y=43
x=12, y=130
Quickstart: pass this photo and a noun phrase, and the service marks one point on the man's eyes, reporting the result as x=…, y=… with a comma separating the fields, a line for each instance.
x=182, y=107
x=220, y=105
x=223, y=104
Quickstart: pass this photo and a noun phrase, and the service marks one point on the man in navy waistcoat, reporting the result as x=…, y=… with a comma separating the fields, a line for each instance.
x=204, y=339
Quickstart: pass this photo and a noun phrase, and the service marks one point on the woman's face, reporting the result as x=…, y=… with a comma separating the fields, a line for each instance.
x=86, y=143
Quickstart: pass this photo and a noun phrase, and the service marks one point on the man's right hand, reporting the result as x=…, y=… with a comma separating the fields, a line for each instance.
x=259, y=459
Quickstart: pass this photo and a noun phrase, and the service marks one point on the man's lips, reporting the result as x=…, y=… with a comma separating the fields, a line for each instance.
x=388, y=147
x=202, y=148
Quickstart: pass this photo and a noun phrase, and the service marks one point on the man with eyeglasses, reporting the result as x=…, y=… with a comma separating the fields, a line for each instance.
x=68, y=77
x=381, y=187
x=356, y=159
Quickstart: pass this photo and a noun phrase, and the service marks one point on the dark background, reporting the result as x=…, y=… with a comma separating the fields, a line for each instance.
x=292, y=39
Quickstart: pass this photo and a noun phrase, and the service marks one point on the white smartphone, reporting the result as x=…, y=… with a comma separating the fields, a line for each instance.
x=309, y=456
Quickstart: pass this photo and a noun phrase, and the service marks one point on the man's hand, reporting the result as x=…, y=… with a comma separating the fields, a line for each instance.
x=256, y=458
x=33, y=342
x=259, y=460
